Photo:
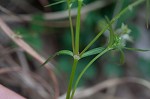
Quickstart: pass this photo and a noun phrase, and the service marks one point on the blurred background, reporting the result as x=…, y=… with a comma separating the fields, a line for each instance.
x=46, y=30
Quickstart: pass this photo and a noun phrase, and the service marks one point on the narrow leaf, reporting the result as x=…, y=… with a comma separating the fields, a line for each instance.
x=93, y=52
x=65, y=52
x=62, y=52
x=136, y=49
x=59, y=2
x=122, y=57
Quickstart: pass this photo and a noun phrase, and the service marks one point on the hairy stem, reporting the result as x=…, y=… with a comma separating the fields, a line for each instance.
x=77, y=39
x=71, y=24
x=71, y=78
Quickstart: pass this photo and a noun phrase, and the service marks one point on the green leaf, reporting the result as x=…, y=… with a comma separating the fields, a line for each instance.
x=136, y=49
x=59, y=2
x=62, y=52
x=122, y=57
x=93, y=52
x=65, y=52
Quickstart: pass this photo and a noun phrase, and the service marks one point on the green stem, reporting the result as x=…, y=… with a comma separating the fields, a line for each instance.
x=76, y=47
x=112, y=34
x=71, y=78
x=77, y=39
x=85, y=69
x=71, y=25
x=129, y=7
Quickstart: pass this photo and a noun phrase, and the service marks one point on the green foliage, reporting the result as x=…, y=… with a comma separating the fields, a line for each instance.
x=92, y=19
x=66, y=43
x=31, y=38
x=143, y=67
x=112, y=70
x=64, y=64
x=37, y=25
x=32, y=34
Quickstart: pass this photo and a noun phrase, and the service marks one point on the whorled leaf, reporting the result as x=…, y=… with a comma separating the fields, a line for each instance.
x=122, y=57
x=136, y=49
x=93, y=52
x=62, y=52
